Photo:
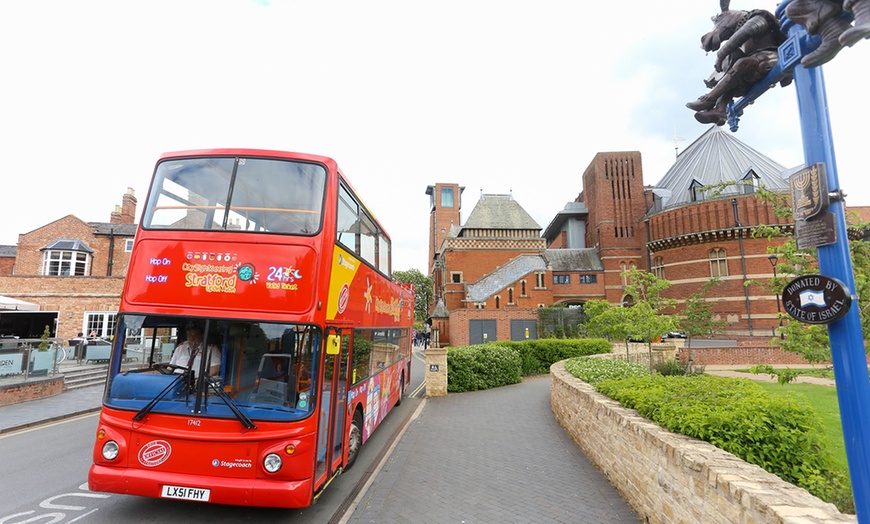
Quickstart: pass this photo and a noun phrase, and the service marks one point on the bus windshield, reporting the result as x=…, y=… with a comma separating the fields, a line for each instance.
x=214, y=367
x=234, y=193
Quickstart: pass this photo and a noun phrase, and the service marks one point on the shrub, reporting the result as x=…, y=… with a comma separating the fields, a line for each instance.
x=780, y=433
x=538, y=355
x=482, y=366
x=675, y=367
x=594, y=370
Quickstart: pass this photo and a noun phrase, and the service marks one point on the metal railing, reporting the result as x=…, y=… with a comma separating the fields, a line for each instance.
x=26, y=357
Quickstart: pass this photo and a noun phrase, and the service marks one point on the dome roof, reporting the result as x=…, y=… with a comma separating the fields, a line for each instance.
x=717, y=157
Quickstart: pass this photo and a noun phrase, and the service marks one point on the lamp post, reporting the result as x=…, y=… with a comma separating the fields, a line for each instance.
x=774, y=260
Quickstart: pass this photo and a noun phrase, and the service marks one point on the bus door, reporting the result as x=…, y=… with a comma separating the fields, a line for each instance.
x=331, y=430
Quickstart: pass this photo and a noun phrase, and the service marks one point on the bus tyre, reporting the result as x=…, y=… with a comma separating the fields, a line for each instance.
x=401, y=389
x=354, y=438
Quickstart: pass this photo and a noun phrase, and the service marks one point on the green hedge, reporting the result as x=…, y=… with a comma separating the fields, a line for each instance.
x=538, y=355
x=485, y=366
x=482, y=366
x=780, y=433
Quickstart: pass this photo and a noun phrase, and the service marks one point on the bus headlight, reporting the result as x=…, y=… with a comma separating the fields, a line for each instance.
x=272, y=462
x=111, y=450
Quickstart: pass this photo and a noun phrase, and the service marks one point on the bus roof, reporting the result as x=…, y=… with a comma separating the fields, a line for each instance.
x=249, y=152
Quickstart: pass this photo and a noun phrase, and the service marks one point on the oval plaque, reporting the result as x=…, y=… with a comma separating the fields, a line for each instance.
x=816, y=299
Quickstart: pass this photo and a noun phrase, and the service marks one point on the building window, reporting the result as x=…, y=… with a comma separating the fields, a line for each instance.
x=588, y=279
x=523, y=289
x=446, y=197
x=659, y=268
x=100, y=324
x=622, y=273
x=718, y=263
x=128, y=245
x=696, y=191
x=561, y=279
x=749, y=182
x=65, y=263
x=510, y=295
x=456, y=277
x=497, y=302
x=539, y=280
x=480, y=305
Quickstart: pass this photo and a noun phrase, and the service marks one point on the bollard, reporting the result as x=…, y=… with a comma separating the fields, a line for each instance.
x=436, y=372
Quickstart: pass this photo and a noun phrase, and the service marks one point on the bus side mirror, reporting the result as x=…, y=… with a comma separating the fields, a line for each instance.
x=333, y=345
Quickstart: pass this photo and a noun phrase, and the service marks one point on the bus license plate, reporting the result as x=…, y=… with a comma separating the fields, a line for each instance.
x=183, y=493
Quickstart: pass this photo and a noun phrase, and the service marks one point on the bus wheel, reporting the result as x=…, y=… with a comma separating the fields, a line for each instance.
x=354, y=439
x=401, y=389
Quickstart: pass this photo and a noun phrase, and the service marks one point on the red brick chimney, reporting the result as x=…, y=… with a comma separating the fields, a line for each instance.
x=126, y=213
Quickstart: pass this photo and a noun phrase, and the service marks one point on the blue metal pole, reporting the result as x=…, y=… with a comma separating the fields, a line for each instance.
x=846, y=338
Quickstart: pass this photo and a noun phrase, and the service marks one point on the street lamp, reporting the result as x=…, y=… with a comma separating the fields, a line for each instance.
x=774, y=260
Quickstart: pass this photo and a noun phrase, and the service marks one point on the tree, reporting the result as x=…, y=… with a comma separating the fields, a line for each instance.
x=698, y=318
x=606, y=320
x=44, y=345
x=810, y=341
x=646, y=320
x=643, y=286
x=422, y=290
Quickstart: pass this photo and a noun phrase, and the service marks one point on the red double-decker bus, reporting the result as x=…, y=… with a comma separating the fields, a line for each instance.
x=259, y=340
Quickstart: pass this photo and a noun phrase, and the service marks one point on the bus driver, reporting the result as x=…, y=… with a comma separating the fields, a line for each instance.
x=188, y=353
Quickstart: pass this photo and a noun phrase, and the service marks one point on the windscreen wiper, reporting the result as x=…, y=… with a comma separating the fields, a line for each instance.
x=148, y=407
x=244, y=419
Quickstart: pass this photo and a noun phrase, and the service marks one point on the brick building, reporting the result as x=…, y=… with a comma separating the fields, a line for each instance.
x=67, y=274
x=493, y=272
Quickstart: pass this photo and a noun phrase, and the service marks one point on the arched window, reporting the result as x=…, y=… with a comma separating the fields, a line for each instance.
x=510, y=295
x=523, y=288
x=497, y=302
x=718, y=263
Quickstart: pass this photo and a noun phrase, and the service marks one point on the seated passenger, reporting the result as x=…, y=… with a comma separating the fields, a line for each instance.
x=188, y=353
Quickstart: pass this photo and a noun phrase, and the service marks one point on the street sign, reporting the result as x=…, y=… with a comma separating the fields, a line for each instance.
x=816, y=299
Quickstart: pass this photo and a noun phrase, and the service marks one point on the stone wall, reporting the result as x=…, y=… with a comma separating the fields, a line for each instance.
x=669, y=478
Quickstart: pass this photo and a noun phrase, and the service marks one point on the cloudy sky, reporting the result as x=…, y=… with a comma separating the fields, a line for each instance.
x=498, y=96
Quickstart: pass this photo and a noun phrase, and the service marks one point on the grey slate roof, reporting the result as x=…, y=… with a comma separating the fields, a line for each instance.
x=504, y=276
x=499, y=212
x=716, y=156
x=68, y=244
x=8, y=251
x=573, y=260
x=552, y=259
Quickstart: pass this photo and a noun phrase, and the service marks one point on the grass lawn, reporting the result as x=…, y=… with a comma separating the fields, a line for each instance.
x=824, y=400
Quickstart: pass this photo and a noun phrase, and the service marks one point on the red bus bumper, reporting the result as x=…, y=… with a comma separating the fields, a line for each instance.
x=233, y=491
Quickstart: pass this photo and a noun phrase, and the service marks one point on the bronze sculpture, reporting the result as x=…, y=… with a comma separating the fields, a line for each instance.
x=825, y=18
x=747, y=43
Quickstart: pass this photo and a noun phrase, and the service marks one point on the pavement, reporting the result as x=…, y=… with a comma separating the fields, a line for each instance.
x=490, y=456
x=487, y=456
x=731, y=371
